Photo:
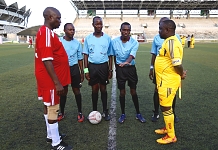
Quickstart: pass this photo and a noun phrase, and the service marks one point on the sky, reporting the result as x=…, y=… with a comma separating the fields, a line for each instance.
x=37, y=7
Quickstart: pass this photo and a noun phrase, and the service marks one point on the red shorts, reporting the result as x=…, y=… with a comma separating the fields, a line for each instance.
x=39, y=94
x=49, y=97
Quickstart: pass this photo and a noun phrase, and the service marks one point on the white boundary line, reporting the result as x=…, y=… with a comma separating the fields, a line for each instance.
x=113, y=123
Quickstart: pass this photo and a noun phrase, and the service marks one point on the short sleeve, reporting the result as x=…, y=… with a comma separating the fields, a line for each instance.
x=173, y=52
x=85, y=46
x=134, y=48
x=154, y=47
x=45, y=45
x=110, y=52
x=79, y=52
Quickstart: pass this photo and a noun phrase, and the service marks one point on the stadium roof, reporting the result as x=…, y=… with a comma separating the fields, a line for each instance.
x=11, y=13
x=145, y=4
x=13, y=7
x=30, y=31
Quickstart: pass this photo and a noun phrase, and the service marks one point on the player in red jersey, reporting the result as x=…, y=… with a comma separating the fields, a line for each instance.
x=30, y=42
x=52, y=73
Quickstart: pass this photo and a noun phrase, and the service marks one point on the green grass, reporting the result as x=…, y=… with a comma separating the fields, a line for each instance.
x=22, y=125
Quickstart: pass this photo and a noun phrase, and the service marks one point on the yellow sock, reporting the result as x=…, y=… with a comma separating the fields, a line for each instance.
x=169, y=122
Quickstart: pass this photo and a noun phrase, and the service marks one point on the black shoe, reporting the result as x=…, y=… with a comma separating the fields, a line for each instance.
x=106, y=115
x=176, y=119
x=154, y=117
x=62, y=146
x=61, y=137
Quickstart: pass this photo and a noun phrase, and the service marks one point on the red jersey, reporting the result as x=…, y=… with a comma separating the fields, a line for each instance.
x=48, y=47
x=30, y=41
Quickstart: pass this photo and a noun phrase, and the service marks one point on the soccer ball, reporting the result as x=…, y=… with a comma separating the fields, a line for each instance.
x=94, y=117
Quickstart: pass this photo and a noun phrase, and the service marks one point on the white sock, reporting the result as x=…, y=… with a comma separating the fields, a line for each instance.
x=54, y=134
x=47, y=126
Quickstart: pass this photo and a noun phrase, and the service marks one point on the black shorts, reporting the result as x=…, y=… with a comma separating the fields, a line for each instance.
x=75, y=76
x=126, y=73
x=98, y=73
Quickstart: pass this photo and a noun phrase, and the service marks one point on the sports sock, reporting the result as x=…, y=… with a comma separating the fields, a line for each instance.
x=156, y=102
x=173, y=106
x=63, y=100
x=169, y=122
x=104, y=100
x=55, y=134
x=47, y=126
x=136, y=103
x=122, y=104
x=78, y=98
x=94, y=101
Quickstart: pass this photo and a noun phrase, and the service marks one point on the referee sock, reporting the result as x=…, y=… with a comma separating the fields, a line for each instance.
x=94, y=101
x=104, y=100
x=122, y=104
x=169, y=122
x=47, y=126
x=136, y=103
x=156, y=102
x=62, y=103
x=78, y=98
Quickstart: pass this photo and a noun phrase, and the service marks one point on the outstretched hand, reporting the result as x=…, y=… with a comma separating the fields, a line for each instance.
x=125, y=63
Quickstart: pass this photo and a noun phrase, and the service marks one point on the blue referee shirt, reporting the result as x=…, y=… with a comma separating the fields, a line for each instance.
x=122, y=51
x=73, y=49
x=157, y=44
x=98, y=48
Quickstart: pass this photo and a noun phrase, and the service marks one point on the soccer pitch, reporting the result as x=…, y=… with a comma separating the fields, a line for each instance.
x=22, y=124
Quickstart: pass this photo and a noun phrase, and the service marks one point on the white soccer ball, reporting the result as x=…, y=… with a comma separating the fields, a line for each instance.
x=94, y=117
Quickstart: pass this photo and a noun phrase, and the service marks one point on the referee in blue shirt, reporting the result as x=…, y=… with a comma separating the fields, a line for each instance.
x=73, y=49
x=124, y=49
x=156, y=46
x=98, y=64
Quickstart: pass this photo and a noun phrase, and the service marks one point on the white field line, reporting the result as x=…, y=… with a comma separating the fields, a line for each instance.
x=113, y=122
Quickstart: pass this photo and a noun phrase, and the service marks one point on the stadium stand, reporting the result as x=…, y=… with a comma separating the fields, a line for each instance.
x=192, y=17
x=12, y=20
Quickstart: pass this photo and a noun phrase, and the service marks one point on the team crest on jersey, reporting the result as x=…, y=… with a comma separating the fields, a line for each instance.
x=91, y=49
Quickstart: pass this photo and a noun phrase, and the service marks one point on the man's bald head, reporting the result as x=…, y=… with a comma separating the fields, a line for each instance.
x=167, y=28
x=52, y=17
x=50, y=11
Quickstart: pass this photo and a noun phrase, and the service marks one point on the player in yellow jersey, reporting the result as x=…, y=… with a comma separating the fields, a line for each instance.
x=183, y=40
x=169, y=72
x=192, y=45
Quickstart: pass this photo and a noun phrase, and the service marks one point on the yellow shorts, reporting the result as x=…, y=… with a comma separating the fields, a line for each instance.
x=166, y=95
x=53, y=112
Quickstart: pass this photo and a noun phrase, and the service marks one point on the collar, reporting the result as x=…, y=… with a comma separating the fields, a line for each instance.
x=127, y=39
x=67, y=40
x=102, y=33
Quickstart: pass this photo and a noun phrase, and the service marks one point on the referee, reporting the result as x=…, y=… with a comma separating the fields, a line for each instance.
x=124, y=50
x=98, y=64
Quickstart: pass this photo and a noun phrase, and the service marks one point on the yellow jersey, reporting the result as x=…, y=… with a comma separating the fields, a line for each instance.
x=170, y=55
